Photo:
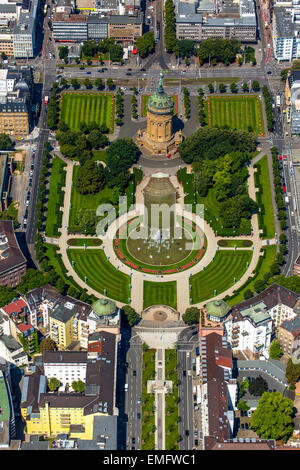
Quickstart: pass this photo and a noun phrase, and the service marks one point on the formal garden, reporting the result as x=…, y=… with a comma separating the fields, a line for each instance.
x=83, y=107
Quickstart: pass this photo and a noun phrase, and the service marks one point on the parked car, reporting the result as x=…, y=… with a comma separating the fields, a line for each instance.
x=134, y=373
x=88, y=73
x=128, y=73
x=196, y=442
x=138, y=415
x=133, y=440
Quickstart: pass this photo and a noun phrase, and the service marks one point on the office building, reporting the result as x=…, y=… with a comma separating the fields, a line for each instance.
x=286, y=39
x=25, y=31
x=199, y=20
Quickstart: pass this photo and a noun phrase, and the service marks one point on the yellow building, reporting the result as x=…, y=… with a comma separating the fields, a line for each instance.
x=63, y=412
x=61, y=325
x=160, y=136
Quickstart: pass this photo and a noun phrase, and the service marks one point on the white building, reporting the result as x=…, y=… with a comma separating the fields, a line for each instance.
x=65, y=366
x=286, y=37
x=12, y=351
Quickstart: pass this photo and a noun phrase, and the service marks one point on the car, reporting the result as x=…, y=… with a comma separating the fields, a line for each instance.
x=184, y=373
x=88, y=73
x=196, y=433
x=196, y=407
x=126, y=387
x=32, y=166
x=133, y=440
x=284, y=157
x=249, y=413
x=100, y=70
x=27, y=203
x=195, y=397
x=138, y=415
x=143, y=70
x=139, y=400
x=196, y=442
x=30, y=183
x=269, y=72
x=246, y=426
x=169, y=155
x=134, y=373
x=128, y=73
x=284, y=189
x=104, y=69
x=242, y=426
x=28, y=195
x=187, y=432
x=31, y=173
x=129, y=70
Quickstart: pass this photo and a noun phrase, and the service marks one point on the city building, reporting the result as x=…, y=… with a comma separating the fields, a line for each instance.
x=65, y=366
x=296, y=269
x=199, y=20
x=6, y=169
x=288, y=335
x=218, y=389
x=126, y=28
x=217, y=310
x=40, y=302
x=12, y=351
x=12, y=261
x=16, y=92
x=72, y=413
x=86, y=25
x=286, y=39
x=249, y=329
x=25, y=31
x=7, y=415
x=159, y=137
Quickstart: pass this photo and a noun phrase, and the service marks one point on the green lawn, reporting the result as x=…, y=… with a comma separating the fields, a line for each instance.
x=56, y=262
x=100, y=274
x=85, y=202
x=262, y=268
x=264, y=198
x=219, y=274
x=84, y=241
x=90, y=202
x=232, y=243
x=172, y=417
x=148, y=416
x=160, y=293
x=78, y=107
x=56, y=197
x=237, y=112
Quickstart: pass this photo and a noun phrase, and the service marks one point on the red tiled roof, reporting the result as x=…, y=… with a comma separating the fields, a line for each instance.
x=23, y=327
x=95, y=347
x=16, y=306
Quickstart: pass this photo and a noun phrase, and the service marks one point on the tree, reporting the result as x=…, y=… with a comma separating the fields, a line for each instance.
x=132, y=316
x=63, y=82
x=255, y=85
x=87, y=83
x=7, y=295
x=145, y=44
x=75, y=84
x=90, y=178
x=47, y=344
x=191, y=316
x=99, y=83
x=275, y=350
x=5, y=142
x=110, y=84
x=53, y=384
x=242, y=406
x=63, y=53
x=273, y=416
x=121, y=155
x=292, y=371
x=258, y=386
x=233, y=87
x=78, y=386
x=222, y=88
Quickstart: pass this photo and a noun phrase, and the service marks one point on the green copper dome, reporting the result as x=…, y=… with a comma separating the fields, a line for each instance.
x=104, y=307
x=217, y=308
x=160, y=102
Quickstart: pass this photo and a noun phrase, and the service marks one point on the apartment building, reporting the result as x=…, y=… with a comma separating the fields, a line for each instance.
x=40, y=303
x=12, y=351
x=249, y=329
x=288, y=335
x=65, y=366
x=74, y=414
x=12, y=261
x=198, y=20
x=126, y=28
x=296, y=269
x=286, y=39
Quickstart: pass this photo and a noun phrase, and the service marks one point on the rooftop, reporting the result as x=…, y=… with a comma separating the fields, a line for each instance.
x=11, y=255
